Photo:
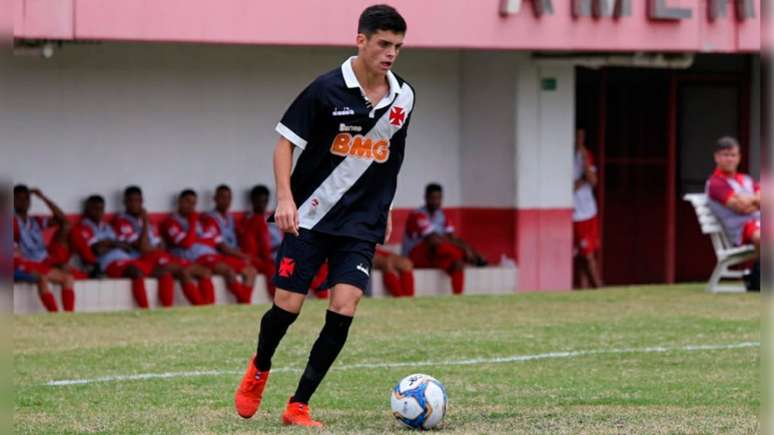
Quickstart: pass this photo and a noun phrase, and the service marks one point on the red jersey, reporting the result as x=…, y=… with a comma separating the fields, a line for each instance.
x=254, y=237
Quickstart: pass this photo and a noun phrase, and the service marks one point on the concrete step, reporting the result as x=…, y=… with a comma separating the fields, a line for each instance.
x=102, y=295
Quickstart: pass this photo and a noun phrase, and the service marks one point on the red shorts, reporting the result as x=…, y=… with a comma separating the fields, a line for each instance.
x=585, y=236
x=33, y=267
x=117, y=269
x=444, y=257
x=750, y=228
x=209, y=261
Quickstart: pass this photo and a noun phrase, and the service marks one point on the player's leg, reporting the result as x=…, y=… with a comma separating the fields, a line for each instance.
x=67, y=282
x=349, y=272
x=196, y=279
x=44, y=292
x=135, y=273
x=390, y=275
x=298, y=259
x=405, y=269
x=223, y=269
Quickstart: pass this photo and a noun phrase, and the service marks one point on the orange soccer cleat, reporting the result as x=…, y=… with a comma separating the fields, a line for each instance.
x=247, y=398
x=297, y=414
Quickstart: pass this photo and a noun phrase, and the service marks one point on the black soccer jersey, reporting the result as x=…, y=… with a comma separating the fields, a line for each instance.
x=345, y=178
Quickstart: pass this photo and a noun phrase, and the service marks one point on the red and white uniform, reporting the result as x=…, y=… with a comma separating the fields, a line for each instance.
x=128, y=229
x=113, y=262
x=190, y=244
x=221, y=229
x=584, y=216
x=720, y=188
x=33, y=255
x=420, y=224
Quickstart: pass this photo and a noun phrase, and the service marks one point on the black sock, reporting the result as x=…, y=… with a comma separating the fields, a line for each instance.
x=324, y=352
x=274, y=325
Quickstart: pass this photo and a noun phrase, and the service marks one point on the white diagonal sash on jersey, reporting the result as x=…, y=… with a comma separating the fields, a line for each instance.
x=346, y=174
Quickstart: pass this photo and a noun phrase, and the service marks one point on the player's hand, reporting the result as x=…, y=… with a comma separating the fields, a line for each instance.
x=286, y=216
x=193, y=217
x=144, y=215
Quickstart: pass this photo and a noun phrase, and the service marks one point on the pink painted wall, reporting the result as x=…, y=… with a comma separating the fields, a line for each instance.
x=432, y=23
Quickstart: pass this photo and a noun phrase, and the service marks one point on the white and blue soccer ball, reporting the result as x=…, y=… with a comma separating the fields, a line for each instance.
x=419, y=401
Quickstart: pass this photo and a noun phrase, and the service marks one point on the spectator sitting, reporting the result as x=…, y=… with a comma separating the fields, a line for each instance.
x=97, y=244
x=33, y=261
x=256, y=238
x=184, y=233
x=132, y=227
x=429, y=240
x=735, y=199
x=220, y=226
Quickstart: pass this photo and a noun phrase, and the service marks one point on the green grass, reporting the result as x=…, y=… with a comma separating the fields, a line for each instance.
x=679, y=391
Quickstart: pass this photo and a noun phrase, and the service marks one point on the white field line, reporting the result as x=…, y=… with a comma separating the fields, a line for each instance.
x=462, y=362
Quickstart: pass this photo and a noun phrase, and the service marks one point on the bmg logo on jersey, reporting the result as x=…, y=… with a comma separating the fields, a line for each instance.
x=362, y=147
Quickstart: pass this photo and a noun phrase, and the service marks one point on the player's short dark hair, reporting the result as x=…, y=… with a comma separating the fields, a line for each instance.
x=726, y=143
x=432, y=188
x=380, y=17
x=20, y=188
x=132, y=190
x=187, y=192
x=95, y=199
x=222, y=187
x=258, y=190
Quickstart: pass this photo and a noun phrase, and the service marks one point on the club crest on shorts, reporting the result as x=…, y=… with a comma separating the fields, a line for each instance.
x=287, y=267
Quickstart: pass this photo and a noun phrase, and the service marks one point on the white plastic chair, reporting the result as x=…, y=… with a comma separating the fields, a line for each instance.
x=728, y=255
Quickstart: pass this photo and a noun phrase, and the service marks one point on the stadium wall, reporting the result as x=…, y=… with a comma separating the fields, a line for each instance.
x=96, y=118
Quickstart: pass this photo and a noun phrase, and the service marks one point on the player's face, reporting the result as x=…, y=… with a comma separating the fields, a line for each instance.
x=95, y=211
x=223, y=199
x=728, y=159
x=380, y=50
x=187, y=205
x=260, y=203
x=133, y=204
x=580, y=138
x=433, y=200
x=21, y=202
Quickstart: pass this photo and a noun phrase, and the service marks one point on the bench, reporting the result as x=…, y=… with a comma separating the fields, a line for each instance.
x=727, y=254
x=100, y=295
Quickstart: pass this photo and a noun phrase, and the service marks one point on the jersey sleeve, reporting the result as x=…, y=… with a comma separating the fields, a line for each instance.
x=212, y=232
x=419, y=225
x=299, y=120
x=172, y=232
x=124, y=231
x=16, y=231
x=81, y=238
x=719, y=190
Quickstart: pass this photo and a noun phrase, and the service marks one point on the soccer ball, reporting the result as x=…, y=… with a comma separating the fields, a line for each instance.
x=419, y=401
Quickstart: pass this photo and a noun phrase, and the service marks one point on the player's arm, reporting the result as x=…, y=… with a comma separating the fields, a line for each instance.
x=743, y=204
x=286, y=214
x=58, y=214
x=143, y=241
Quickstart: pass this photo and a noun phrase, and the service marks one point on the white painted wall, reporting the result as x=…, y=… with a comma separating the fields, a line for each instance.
x=488, y=128
x=545, y=137
x=95, y=118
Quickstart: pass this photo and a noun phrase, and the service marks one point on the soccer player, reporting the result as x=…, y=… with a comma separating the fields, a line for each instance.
x=350, y=125
x=35, y=261
x=132, y=227
x=429, y=241
x=97, y=244
x=184, y=233
x=397, y=272
x=585, y=223
x=735, y=198
x=220, y=226
x=257, y=239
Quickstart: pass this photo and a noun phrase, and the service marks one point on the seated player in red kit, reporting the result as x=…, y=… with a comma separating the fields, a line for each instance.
x=132, y=227
x=184, y=233
x=42, y=264
x=220, y=227
x=256, y=237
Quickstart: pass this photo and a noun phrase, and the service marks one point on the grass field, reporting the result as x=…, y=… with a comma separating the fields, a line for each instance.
x=616, y=383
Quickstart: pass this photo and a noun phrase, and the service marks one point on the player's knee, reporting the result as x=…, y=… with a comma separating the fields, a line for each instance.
x=288, y=301
x=133, y=272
